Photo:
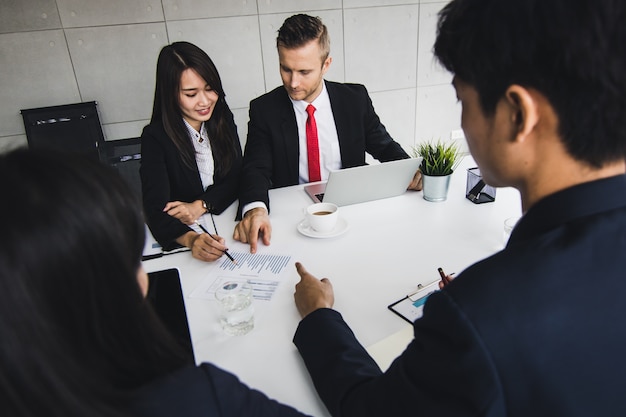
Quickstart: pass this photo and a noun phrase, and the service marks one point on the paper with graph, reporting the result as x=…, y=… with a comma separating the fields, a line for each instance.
x=261, y=270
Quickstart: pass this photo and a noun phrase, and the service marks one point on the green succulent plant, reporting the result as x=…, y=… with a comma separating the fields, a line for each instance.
x=438, y=158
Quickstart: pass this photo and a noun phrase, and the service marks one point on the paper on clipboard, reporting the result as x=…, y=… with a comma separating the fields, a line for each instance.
x=411, y=307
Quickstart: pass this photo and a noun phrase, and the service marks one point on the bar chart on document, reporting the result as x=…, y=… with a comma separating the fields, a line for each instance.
x=262, y=271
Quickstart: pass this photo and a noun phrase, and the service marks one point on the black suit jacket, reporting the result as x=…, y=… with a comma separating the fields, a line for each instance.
x=272, y=149
x=164, y=177
x=205, y=391
x=535, y=330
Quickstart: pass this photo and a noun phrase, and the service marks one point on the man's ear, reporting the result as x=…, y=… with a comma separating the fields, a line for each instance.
x=524, y=110
x=326, y=64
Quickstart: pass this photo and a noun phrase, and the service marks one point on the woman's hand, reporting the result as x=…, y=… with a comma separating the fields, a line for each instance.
x=187, y=213
x=203, y=246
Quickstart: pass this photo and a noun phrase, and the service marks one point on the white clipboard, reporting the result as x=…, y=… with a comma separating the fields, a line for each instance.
x=411, y=307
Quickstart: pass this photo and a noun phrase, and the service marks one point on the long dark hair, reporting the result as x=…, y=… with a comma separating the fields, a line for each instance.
x=173, y=60
x=77, y=333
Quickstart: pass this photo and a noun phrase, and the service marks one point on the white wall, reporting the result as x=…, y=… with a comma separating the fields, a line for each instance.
x=56, y=52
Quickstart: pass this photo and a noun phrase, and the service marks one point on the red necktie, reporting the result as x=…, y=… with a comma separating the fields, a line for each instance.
x=313, y=151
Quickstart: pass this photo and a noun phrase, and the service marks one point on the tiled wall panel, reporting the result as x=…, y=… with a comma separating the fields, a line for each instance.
x=28, y=15
x=81, y=13
x=115, y=66
x=381, y=46
x=292, y=7
x=36, y=72
x=198, y=9
x=233, y=45
x=65, y=51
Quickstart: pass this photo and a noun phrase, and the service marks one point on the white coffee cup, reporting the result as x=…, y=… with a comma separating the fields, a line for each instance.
x=322, y=217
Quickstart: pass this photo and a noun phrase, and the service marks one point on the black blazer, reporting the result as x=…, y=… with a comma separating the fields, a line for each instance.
x=164, y=177
x=272, y=149
x=534, y=330
x=205, y=391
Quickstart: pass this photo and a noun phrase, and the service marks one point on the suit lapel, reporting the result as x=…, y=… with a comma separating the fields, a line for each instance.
x=289, y=131
x=342, y=117
x=191, y=175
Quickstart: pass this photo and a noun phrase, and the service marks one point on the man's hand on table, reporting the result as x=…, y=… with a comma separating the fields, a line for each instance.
x=417, y=183
x=255, y=224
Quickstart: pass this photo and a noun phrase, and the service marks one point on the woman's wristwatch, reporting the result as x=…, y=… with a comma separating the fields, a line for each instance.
x=205, y=206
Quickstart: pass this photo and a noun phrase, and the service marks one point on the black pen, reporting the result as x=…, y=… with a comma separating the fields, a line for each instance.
x=213, y=237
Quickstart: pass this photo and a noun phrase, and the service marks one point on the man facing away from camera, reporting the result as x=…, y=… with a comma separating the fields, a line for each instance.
x=536, y=329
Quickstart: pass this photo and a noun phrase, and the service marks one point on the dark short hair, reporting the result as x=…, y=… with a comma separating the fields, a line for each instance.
x=570, y=51
x=72, y=315
x=300, y=29
x=173, y=60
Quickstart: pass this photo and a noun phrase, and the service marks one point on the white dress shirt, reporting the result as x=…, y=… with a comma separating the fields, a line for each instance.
x=330, y=156
x=328, y=140
x=204, y=154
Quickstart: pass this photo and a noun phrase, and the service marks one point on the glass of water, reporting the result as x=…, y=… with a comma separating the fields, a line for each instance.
x=236, y=309
x=509, y=225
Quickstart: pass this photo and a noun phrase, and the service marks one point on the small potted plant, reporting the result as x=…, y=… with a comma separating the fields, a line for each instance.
x=438, y=163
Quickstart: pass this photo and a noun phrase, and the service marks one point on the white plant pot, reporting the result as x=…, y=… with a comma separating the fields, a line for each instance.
x=436, y=187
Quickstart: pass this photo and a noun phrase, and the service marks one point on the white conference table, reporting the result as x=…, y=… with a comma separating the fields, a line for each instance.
x=391, y=246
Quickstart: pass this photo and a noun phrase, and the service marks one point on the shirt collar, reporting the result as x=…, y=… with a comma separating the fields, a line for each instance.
x=566, y=205
x=193, y=134
x=321, y=101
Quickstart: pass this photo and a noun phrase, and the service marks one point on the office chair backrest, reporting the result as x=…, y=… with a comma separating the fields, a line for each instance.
x=125, y=156
x=70, y=128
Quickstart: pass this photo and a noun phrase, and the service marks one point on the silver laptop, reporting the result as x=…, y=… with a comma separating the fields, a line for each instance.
x=365, y=183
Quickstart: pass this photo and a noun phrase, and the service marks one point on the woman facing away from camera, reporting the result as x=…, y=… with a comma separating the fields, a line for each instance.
x=190, y=151
x=78, y=336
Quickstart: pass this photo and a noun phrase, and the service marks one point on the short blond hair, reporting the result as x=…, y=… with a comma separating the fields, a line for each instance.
x=300, y=29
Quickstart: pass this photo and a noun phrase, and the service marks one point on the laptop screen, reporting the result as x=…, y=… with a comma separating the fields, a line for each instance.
x=365, y=183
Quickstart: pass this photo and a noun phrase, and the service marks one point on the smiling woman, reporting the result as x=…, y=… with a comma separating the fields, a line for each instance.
x=191, y=155
x=197, y=99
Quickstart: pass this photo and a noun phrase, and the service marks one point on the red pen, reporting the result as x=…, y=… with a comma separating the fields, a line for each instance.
x=444, y=277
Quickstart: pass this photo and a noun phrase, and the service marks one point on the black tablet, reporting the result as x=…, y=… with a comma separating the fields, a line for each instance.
x=166, y=295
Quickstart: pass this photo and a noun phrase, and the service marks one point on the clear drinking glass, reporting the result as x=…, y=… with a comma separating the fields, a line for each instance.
x=509, y=224
x=236, y=308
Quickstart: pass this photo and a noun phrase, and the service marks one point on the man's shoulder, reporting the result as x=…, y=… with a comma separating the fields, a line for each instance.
x=276, y=95
x=345, y=86
x=348, y=92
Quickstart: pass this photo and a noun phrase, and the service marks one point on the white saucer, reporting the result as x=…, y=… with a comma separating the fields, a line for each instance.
x=340, y=228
